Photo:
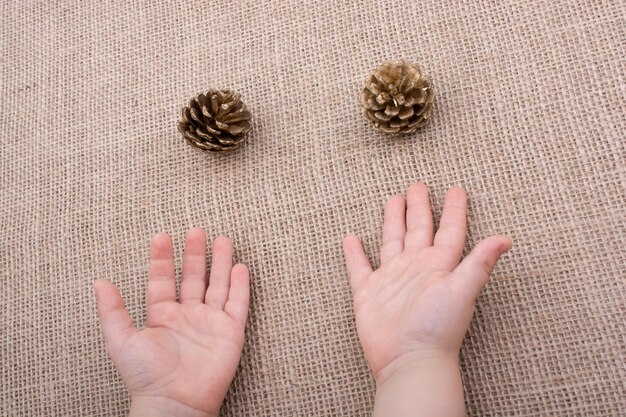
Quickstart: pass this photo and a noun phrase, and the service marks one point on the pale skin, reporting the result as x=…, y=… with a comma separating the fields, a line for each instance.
x=412, y=312
x=183, y=361
x=411, y=315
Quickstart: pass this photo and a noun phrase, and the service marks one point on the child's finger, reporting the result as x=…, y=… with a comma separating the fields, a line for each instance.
x=161, y=278
x=451, y=234
x=358, y=265
x=419, y=218
x=239, y=294
x=193, y=276
x=221, y=266
x=394, y=228
x=116, y=323
x=474, y=271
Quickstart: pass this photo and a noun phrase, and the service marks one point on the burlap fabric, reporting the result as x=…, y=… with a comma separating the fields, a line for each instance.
x=530, y=119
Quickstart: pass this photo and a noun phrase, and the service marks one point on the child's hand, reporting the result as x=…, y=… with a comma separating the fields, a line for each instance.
x=420, y=301
x=182, y=363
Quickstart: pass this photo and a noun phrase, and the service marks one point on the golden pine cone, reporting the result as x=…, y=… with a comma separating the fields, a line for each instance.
x=216, y=121
x=398, y=98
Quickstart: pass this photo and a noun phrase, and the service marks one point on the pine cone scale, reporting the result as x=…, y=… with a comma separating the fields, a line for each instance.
x=195, y=115
x=406, y=112
x=380, y=115
x=392, y=110
x=202, y=135
x=238, y=116
x=211, y=130
x=230, y=141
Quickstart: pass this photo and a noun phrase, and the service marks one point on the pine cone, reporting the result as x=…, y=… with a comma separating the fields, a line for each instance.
x=398, y=98
x=216, y=121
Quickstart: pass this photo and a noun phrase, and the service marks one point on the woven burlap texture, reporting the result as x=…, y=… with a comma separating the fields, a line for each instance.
x=530, y=119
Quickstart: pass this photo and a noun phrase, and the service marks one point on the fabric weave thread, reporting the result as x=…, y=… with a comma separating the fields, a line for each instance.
x=530, y=119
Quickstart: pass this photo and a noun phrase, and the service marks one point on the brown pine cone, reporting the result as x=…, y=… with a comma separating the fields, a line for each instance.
x=398, y=98
x=216, y=121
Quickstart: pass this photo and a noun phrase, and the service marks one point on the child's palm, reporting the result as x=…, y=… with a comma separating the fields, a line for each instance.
x=420, y=301
x=189, y=351
x=192, y=350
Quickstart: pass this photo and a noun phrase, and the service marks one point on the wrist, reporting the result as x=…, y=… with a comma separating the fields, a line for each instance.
x=417, y=362
x=420, y=384
x=155, y=406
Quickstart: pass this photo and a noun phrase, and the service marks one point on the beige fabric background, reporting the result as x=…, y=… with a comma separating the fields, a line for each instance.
x=530, y=119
